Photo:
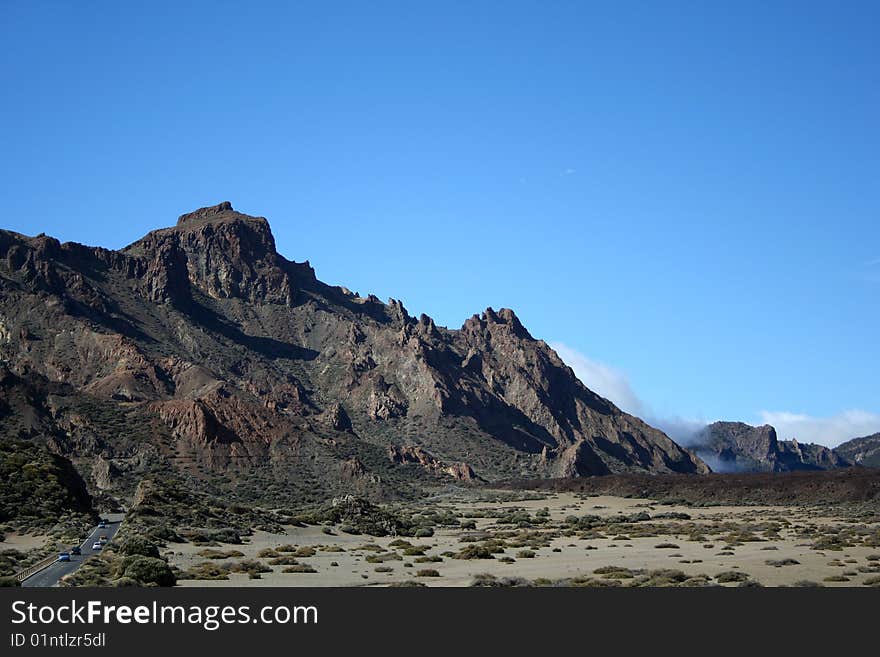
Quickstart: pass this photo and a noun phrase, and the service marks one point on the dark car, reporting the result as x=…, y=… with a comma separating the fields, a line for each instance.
x=64, y=556
x=76, y=550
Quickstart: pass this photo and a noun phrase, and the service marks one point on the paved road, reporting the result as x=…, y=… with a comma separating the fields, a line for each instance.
x=50, y=575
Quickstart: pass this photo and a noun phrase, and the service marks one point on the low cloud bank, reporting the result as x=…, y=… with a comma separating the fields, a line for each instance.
x=828, y=431
x=686, y=432
x=615, y=386
x=604, y=380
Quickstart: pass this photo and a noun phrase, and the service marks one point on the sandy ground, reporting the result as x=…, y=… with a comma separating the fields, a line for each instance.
x=23, y=542
x=574, y=558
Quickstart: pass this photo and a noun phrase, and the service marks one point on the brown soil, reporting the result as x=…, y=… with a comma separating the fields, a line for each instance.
x=834, y=486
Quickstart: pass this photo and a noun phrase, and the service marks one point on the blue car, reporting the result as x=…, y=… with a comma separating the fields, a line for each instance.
x=64, y=556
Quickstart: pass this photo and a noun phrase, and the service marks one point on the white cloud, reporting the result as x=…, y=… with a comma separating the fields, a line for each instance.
x=828, y=431
x=614, y=385
x=601, y=379
x=682, y=430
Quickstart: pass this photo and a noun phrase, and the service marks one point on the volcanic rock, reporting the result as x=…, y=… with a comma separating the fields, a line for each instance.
x=200, y=350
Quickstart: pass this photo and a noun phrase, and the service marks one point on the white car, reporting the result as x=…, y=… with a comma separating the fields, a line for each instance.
x=97, y=545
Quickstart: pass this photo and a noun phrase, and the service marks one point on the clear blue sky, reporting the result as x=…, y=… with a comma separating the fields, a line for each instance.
x=687, y=194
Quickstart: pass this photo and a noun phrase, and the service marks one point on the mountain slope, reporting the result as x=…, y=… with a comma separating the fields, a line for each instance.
x=739, y=447
x=231, y=360
x=862, y=451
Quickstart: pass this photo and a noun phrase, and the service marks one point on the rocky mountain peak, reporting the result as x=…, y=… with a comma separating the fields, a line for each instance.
x=209, y=213
x=505, y=320
x=225, y=253
x=220, y=226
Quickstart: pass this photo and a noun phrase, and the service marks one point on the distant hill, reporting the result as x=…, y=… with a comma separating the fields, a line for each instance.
x=862, y=451
x=739, y=447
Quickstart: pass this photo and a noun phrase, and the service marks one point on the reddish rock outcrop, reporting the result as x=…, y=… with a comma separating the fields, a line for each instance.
x=415, y=455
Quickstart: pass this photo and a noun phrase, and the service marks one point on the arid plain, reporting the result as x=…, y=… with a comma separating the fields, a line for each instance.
x=562, y=539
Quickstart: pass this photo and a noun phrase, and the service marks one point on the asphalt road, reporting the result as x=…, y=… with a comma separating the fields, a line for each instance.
x=50, y=575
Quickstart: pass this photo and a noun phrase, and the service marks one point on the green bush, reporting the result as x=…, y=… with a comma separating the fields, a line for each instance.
x=252, y=567
x=147, y=570
x=615, y=572
x=299, y=568
x=474, y=551
x=207, y=571
x=219, y=554
x=125, y=581
x=140, y=546
x=283, y=561
x=778, y=563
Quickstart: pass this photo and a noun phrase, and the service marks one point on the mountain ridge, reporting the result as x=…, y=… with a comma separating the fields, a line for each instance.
x=244, y=363
x=740, y=447
x=864, y=450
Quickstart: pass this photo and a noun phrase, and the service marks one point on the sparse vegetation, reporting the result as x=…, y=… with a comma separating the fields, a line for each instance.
x=299, y=568
x=220, y=554
x=474, y=551
x=779, y=563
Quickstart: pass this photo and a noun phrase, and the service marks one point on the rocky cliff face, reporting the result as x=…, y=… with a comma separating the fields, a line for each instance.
x=232, y=360
x=863, y=451
x=739, y=447
x=221, y=253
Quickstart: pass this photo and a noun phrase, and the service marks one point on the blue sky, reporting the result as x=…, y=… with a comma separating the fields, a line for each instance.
x=683, y=198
